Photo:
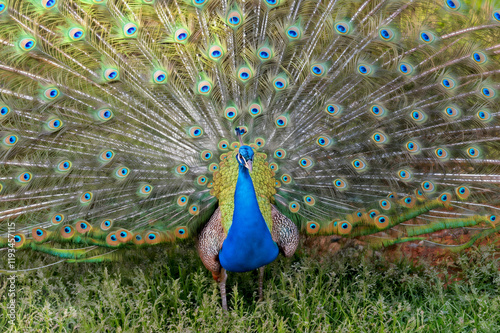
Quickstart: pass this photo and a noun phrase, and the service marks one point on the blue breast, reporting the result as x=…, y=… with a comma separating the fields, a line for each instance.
x=248, y=244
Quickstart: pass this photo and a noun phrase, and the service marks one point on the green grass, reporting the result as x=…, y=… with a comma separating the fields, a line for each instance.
x=168, y=290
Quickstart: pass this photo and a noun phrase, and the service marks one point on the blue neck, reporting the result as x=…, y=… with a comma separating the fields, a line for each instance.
x=248, y=244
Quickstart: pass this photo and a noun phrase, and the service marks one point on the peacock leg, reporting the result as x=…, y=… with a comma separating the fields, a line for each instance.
x=222, y=284
x=261, y=282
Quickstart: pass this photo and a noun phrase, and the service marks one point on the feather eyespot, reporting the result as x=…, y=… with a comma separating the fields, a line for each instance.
x=273, y=3
x=492, y=218
x=213, y=167
x=496, y=15
x=448, y=83
x=479, y=58
x=64, y=166
x=379, y=138
x=194, y=209
x=197, y=3
x=280, y=83
x=112, y=239
x=181, y=232
x=121, y=172
x=255, y=110
x=51, y=93
x=404, y=175
x=392, y=195
x=4, y=112
x=408, y=202
x=55, y=124
x=293, y=33
x=294, y=206
x=488, y=92
x=234, y=19
x=260, y=142
x=10, y=140
x=57, y=218
x=378, y=111
x=204, y=87
x=201, y=180
x=309, y=200
x=215, y=52
x=106, y=224
x=386, y=34
x=24, y=177
x=382, y=221
x=83, y=227
x=280, y=153
x=324, y=141
x=19, y=240
x=462, y=192
x=230, y=113
x=145, y=190
x=245, y=74
x=106, y=156
x=27, y=44
x=76, y=34
x=273, y=166
x=312, y=227
x=365, y=69
x=428, y=186
x=473, y=152
x=223, y=145
x=359, y=165
x=195, y=132
x=373, y=213
x=123, y=235
x=3, y=7
x=264, y=53
x=111, y=74
x=286, y=179
x=441, y=153
x=418, y=116
x=277, y=183
x=445, y=198
x=281, y=121
x=130, y=30
x=340, y=184
x=235, y=145
x=86, y=197
x=318, y=70
x=181, y=35
x=181, y=169
x=104, y=115
x=333, y=109
x=206, y=155
x=39, y=234
x=427, y=37
x=67, y=231
x=344, y=227
x=306, y=162
x=385, y=204
x=405, y=68
x=484, y=116
x=48, y=4
x=160, y=77
x=452, y=112
x=342, y=28
x=413, y=147
x=453, y=5
x=182, y=200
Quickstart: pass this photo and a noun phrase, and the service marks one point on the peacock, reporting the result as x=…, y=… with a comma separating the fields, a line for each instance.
x=245, y=124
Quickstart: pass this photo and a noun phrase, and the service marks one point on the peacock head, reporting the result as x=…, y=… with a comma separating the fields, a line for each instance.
x=245, y=157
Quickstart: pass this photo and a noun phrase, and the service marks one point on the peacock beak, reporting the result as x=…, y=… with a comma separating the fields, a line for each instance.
x=249, y=165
